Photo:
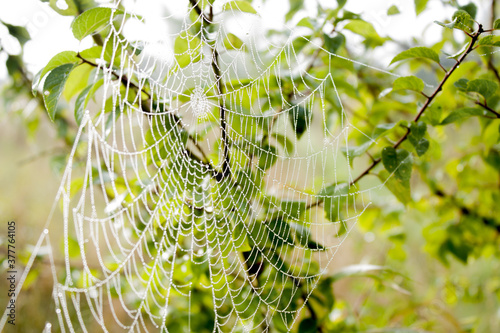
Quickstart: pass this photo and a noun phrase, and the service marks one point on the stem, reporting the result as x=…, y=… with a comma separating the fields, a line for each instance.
x=486, y=107
x=226, y=169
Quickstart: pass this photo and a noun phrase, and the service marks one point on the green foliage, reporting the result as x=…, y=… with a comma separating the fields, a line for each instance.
x=397, y=161
x=91, y=21
x=446, y=180
x=408, y=83
x=416, y=137
x=393, y=10
x=461, y=114
x=239, y=5
x=53, y=88
x=417, y=52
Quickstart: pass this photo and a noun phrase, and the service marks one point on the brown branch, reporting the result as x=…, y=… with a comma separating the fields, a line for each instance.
x=486, y=107
x=426, y=105
x=226, y=167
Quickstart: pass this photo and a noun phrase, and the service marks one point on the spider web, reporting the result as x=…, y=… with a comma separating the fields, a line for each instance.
x=209, y=166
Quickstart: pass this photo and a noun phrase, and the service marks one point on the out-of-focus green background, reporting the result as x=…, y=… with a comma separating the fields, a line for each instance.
x=432, y=291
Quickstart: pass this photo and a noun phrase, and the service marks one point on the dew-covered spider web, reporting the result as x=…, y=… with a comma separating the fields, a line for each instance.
x=210, y=162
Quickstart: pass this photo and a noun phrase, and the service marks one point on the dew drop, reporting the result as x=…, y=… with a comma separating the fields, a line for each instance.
x=46, y=93
x=58, y=311
x=209, y=209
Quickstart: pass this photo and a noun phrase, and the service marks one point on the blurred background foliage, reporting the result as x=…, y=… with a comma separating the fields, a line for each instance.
x=424, y=257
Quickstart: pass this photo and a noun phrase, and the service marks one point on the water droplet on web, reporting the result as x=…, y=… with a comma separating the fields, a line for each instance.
x=46, y=231
x=93, y=292
x=209, y=209
x=58, y=311
x=199, y=103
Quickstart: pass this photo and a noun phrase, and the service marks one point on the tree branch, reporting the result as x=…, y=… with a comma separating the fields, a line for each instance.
x=486, y=107
x=429, y=100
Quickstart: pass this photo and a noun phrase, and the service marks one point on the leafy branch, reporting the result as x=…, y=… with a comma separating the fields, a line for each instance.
x=429, y=99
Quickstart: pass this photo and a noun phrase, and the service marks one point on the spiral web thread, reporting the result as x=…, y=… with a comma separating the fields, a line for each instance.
x=152, y=198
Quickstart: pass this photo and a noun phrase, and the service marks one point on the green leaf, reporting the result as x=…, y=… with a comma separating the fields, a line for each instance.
x=462, y=84
x=77, y=80
x=292, y=209
x=91, y=20
x=187, y=49
x=458, y=53
x=62, y=58
x=470, y=8
x=284, y=141
x=80, y=104
x=462, y=20
x=53, y=88
x=416, y=137
x=393, y=10
x=482, y=86
x=333, y=198
x=341, y=3
x=366, y=30
x=306, y=22
x=267, y=156
x=304, y=237
x=241, y=6
x=493, y=158
x=332, y=44
x=232, y=42
x=496, y=24
x=489, y=40
x=72, y=9
x=18, y=32
x=308, y=325
x=417, y=52
x=420, y=6
x=433, y=114
x=92, y=53
x=300, y=117
x=356, y=151
x=408, y=83
x=462, y=114
x=280, y=232
x=400, y=188
x=398, y=162
x=385, y=129
x=240, y=237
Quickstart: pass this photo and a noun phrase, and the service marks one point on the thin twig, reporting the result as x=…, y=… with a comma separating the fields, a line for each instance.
x=486, y=107
x=426, y=105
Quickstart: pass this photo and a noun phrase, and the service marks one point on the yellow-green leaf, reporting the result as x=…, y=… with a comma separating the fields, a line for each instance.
x=241, y=6
x=53, y=88
x=408, y=83
x=417, y=52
